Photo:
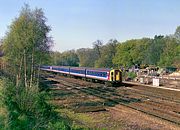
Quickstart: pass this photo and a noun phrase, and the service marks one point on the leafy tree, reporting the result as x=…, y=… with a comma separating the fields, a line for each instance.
x=97, y=48
x=123, y=55
x=87, y=57
x=67, y=58
x=177, y=33
x=154, y=50
x=27, y=44
x=132, y=52
x=176, y=61
x=55, y=58
x=170, y=52
x=107, y=54
x=139, y=52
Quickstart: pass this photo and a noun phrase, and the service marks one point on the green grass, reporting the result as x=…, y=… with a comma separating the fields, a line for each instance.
x=3, y=111
x=85, y=121
x=79, y=119
x=3, y=114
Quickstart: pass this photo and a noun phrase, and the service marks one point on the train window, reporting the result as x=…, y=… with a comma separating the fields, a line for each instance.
x=100, y=74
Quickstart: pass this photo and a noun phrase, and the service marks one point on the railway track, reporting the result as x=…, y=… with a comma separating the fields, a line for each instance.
x=149, y=103
x=152, y=95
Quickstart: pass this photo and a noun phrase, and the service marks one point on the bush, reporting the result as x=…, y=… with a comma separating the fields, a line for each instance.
x=27, y=108
x=58, y=126
x=131, y=75
x=3, y=111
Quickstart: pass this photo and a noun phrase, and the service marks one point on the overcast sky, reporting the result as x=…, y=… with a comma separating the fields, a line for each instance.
x=78, y=23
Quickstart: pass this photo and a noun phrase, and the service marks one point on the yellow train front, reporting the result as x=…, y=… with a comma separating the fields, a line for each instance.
x=115, y=76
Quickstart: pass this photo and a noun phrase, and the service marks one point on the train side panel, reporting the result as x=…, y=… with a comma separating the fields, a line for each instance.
x=46, y=68
x=98, y=74
x=60, y=69
x=78, y=71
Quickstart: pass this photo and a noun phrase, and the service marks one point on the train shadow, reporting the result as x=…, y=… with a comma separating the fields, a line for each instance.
x=109, y=97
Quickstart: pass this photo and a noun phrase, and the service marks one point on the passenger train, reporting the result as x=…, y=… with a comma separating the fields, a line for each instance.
x=106, y=75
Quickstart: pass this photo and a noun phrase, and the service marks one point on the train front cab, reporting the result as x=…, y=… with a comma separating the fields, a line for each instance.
x=115, y=76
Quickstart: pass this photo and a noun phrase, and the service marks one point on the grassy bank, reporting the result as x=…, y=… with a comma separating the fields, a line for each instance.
x=22, y=109
x=3, y=110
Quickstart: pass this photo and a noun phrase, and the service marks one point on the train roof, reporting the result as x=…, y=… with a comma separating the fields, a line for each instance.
x=60, y=66
x=88, y=68
x=81, y=68
x=99, y=69
x=78, y=68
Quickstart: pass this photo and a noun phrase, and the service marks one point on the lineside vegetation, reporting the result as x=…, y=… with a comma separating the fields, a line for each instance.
x=26, y=46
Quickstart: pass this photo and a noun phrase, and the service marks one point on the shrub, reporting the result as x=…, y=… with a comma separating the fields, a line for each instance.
x=131, y=75
x=27, y=108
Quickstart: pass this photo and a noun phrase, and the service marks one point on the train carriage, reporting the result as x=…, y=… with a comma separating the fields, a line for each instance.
x=110, y=75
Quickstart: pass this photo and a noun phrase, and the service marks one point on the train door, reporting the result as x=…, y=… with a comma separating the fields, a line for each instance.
x=112, y=76
x=117, y=75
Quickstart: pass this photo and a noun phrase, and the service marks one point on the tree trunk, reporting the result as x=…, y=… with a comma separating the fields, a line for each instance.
x=25, y=69
x=32, y=68
x=38, y=73
x=19, y=73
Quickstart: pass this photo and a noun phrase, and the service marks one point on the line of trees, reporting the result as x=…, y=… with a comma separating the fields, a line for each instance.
x=160, y=50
